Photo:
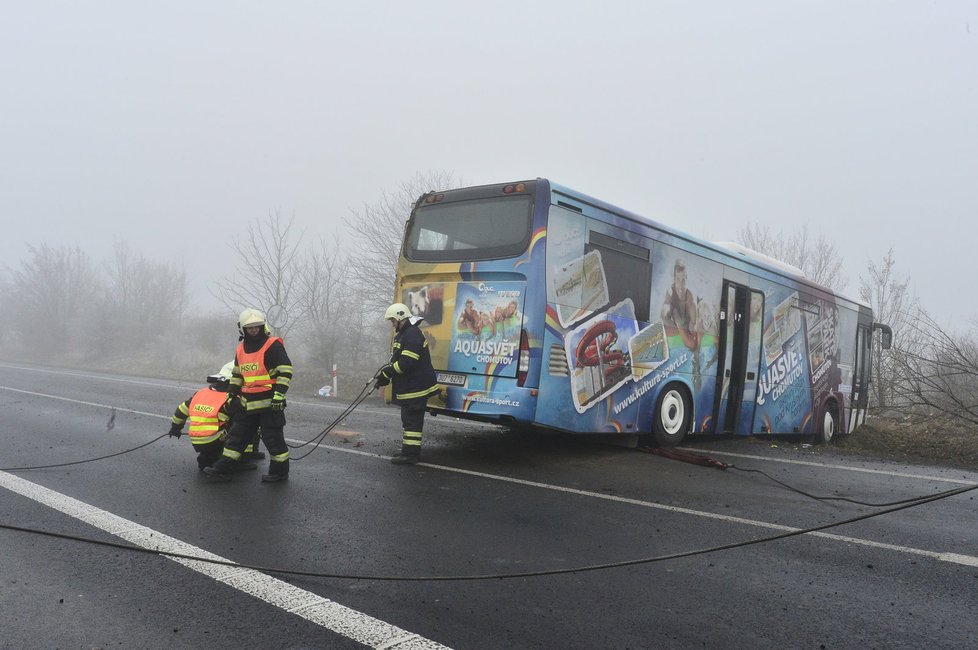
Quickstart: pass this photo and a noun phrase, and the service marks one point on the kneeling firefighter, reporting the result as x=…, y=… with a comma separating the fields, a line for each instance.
x=207, y=411
x=260, y=378
x=412, y=378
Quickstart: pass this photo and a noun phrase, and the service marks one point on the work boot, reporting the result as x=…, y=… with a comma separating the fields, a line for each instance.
x=244, y=465
x=277, y=471
x=253, y=455
x=221, y=470
x=409, y=455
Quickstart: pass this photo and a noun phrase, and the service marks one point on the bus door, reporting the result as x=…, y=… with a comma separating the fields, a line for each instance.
x=860, y=379
x=739, y=358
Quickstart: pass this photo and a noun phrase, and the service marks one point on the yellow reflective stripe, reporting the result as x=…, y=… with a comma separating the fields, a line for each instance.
x=396, y=345
x=203, y=440
x=283, y=380
x=397, y=368
x=253, y=378
x=254, y=405
x=183, y=409
x=281, y=369
x=427, y=391
x=281, y=458
x=408, y=353
x=232, y=454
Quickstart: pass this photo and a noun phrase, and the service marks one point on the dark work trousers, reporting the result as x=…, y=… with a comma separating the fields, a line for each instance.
x=245, y=425
x=208, y=452
x=412, y=420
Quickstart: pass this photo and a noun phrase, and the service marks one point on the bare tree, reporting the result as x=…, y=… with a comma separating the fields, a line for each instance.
x=325, y=298
x=53, y=295
x=938, y=371
x=140, y=295
x=893, y=304
x=817, y=257
x=378, y=229
x=268, y=273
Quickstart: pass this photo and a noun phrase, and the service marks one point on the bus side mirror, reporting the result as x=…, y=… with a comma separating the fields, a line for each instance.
x=886, y=335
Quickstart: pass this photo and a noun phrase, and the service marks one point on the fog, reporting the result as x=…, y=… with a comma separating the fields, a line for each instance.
x=172, y=126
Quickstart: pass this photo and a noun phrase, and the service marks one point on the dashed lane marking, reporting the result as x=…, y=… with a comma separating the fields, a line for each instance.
x=324, y=612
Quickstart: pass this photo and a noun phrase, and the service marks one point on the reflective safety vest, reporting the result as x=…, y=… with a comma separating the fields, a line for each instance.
x=251, y=365
x=206, y=419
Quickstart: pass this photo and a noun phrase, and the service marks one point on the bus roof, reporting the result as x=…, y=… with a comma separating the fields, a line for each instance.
x=730, y=250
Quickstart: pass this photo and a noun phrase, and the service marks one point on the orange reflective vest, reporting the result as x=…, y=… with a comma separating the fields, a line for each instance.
x=251, y=365
x=206, y=417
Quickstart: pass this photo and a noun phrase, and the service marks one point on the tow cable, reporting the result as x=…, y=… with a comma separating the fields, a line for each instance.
x=317, y=439
x=687, y=456
x=365, y=392
x=500, y=576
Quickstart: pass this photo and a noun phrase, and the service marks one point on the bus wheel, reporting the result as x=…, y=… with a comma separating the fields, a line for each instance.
x=830, y=425
x=673, y=413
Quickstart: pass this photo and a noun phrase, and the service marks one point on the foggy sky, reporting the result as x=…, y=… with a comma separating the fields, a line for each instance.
x=171, y=125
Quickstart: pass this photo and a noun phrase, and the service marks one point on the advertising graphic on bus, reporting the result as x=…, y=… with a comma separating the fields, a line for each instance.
x=545, y=307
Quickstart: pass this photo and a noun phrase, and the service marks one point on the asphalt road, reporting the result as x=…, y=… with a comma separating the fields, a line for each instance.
x=485, y=503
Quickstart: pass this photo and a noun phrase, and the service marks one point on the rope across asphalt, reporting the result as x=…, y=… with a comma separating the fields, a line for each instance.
x=673, y=454
x=365, y=392
x=504, y=576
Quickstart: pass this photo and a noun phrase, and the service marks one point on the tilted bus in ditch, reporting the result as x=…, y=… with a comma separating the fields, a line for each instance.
x=545, y=307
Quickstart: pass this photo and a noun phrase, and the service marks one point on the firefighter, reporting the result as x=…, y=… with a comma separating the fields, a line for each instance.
x=208, y=414
x=412, y=378
x=208, y=428
x=260, y=379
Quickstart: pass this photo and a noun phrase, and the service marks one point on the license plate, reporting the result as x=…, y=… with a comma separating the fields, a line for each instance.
x=450, y=378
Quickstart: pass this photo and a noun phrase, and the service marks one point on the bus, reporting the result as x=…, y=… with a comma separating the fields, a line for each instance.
x=547, y=308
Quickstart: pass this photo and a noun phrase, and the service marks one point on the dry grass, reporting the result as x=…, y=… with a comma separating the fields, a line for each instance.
x=928, y=441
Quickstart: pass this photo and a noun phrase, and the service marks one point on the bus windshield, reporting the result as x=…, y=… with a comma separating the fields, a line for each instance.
x=479, y=229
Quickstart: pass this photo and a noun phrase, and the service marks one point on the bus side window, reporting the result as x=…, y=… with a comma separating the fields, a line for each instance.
x=628, y=270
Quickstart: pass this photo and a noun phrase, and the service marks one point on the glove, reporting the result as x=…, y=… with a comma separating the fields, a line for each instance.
x=383, y=376
x=175, y=431
x=278, y=402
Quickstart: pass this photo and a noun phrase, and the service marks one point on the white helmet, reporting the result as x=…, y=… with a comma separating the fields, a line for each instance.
x=226, y=370
x=250, y=317
x=398, y=311
x=222, y=376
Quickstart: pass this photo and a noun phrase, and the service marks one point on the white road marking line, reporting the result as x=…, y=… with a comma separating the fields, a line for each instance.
x=314, y=608
x=829, y=466
x=78, y=401
x=84, y=376
x=945, y=557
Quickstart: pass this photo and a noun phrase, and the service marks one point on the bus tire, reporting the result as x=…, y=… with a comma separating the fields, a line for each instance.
x=673, y=415
x=828, y=425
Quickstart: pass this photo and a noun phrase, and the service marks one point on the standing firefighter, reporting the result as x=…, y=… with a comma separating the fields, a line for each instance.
x=412, y=377
x=261, y=376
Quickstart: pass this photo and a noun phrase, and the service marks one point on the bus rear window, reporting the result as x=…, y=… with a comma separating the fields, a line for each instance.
x=470, y=230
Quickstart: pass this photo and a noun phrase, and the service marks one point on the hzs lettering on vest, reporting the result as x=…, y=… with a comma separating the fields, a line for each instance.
x=248, y=367
x=203, y=408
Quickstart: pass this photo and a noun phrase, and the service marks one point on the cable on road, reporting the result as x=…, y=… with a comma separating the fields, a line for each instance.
x=80, y=462
x=503, y=576
x=365, y=392
x=706, y=461
x=318, y=438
